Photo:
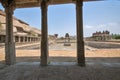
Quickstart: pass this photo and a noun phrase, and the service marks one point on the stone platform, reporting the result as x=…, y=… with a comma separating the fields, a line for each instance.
x=61, y=71
x=67, y=44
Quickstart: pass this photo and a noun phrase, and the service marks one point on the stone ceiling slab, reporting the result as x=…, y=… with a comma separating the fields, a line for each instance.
x=36, y=3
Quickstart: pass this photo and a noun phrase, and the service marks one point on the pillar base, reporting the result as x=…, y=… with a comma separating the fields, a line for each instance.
x=41, y=64
x=67, y=44
x=43, y=61
x=10, y=57
x=82, y=64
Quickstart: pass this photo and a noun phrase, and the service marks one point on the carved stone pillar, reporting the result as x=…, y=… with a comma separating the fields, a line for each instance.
x=44, y=40
x=2, y=39
x=9, y=42
x=80, y=39
x=19, y=39
x=29, y=39
x=23, y=39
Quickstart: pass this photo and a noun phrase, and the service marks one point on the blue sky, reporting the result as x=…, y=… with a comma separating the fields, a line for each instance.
x=97, y=16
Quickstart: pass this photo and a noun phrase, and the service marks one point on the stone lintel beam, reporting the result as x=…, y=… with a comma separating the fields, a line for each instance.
x=44, y=40
x=80, y=39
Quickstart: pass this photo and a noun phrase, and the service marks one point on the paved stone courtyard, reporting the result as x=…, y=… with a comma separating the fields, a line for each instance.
x=61, y=71
x=101, y=64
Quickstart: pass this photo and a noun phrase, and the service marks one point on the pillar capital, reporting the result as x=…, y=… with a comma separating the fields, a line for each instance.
x=44, y=3
x=8, y=4
x=79, y=3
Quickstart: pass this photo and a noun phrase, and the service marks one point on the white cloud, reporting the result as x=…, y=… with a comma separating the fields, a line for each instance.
x=113, y=24
x=102, y=25
x=87, y=26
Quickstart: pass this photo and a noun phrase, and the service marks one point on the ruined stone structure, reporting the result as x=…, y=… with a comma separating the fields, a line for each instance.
x=10, y=6
x=67, y=40
x=101, y=36
x=22, y=32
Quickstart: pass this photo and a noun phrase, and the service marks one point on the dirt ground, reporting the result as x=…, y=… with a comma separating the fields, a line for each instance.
x=65, y=55
x=101, y=64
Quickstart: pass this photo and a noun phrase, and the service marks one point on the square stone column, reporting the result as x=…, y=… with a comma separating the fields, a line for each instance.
x=2, y=38
x=80, y=39
x=19, y=39
x=10, y=57
x=44, y=40
x=23, y=39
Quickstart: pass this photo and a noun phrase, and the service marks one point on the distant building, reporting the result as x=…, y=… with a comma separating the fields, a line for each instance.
x=22, y=31
x=101, y=36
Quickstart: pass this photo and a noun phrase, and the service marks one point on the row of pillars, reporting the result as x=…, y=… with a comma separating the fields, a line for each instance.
x=21, y=39
x=2, y=38
x=10, y=45
x=101, y=38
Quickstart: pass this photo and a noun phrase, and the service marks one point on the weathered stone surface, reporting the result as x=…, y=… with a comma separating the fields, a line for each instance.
x=44, y=38
x=9, y=42
x=35, y=3
x=80, y=39
x=92, y=71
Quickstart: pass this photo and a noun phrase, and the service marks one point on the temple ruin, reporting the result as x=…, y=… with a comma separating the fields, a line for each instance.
x=101, y=36
x=22, y=32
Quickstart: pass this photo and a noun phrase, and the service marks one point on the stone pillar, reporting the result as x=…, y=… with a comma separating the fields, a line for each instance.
x=19, y=39
x=2, y=38
x=23, y=39
x=27, y=39
x=80, y=39
x=35, y=39
x=44, y=41
x=9, y=42
x=31, y=39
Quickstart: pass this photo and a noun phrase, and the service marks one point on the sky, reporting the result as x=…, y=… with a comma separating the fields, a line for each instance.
x=97, y=16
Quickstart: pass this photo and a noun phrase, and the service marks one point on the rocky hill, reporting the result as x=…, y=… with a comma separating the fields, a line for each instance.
x=19, y=27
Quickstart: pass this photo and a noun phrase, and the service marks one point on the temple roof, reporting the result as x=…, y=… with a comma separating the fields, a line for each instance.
x=36, y=3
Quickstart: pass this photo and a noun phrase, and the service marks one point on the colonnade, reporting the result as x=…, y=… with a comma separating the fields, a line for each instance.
x=10, y=44
x=102, y=38
x=26, y=39
x=2, y=38
x=21, y=39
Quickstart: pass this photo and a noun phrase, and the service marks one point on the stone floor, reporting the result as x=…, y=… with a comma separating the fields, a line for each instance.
x=61, y=71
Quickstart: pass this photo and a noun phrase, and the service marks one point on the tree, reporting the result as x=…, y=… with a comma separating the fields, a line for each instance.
x=56, y=35
x=116, y=36
x=66, y=35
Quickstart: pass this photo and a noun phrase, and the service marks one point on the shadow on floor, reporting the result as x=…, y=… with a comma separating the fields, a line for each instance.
x=36, y=72
x=69, y=59
x=66, y=59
